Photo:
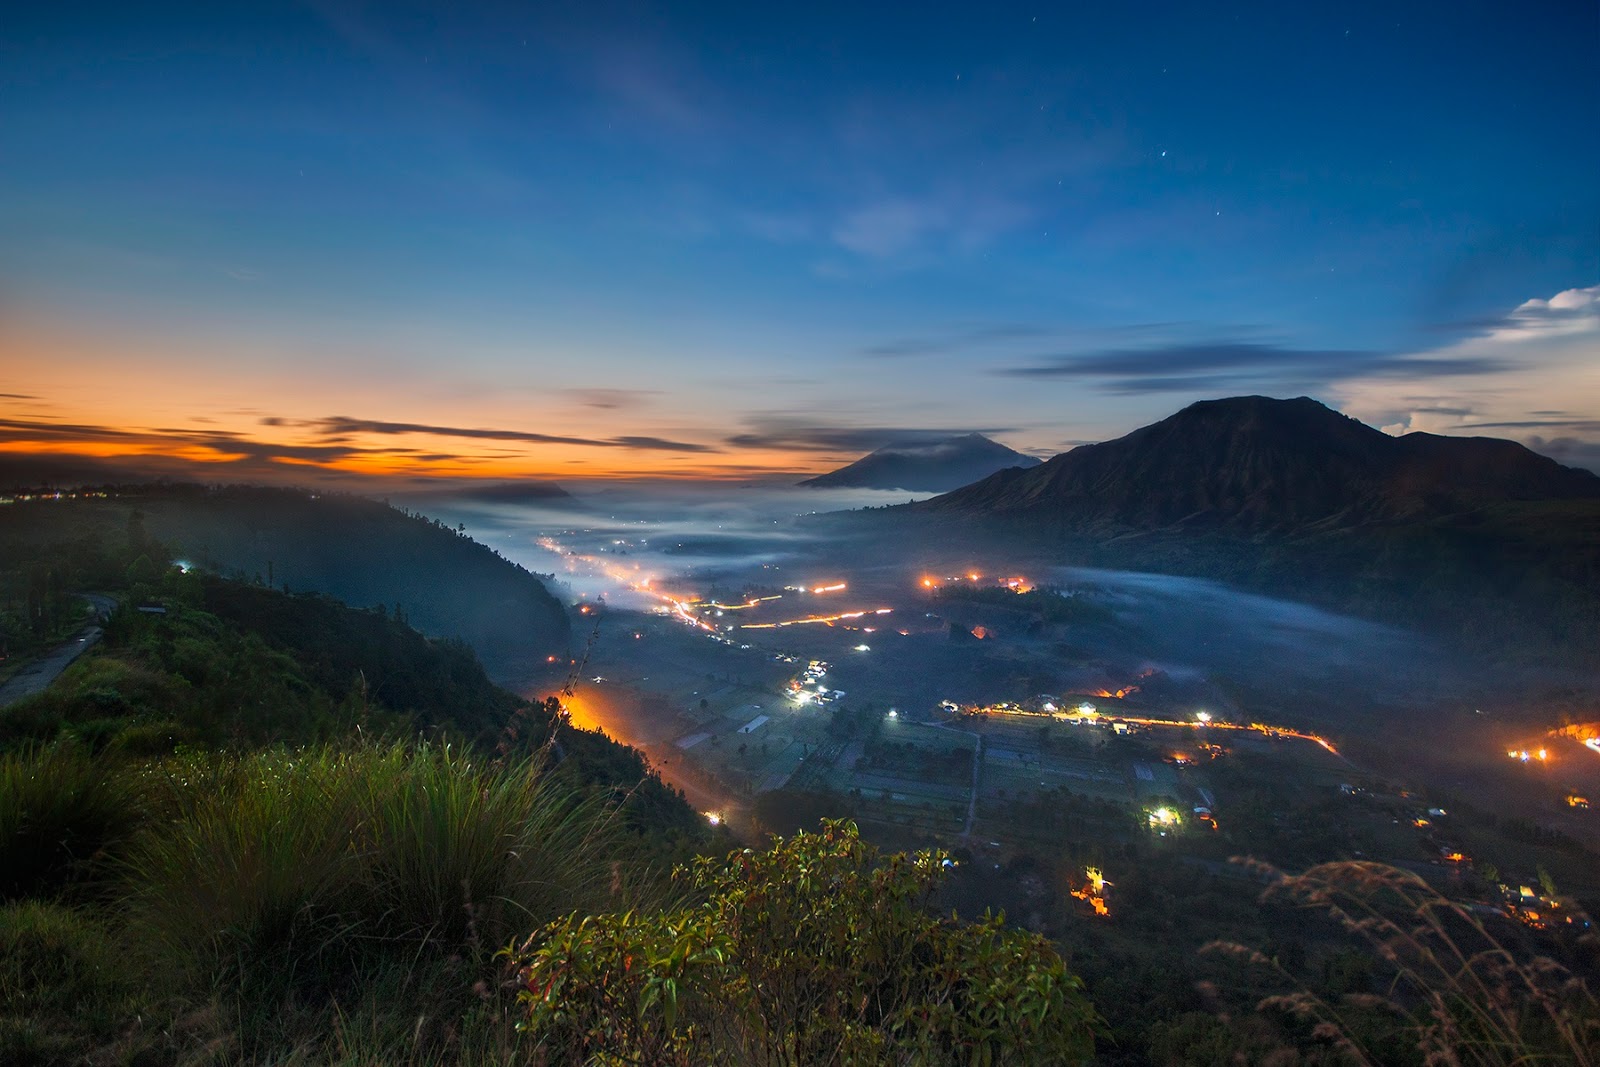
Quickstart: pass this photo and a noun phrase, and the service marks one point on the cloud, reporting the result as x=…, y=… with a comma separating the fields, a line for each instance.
x=17, y=396
x=612, y=399
x=335, y=450
x=218, y=445
x=1545, y=392
x=341, y=427
x=790, y=433
x=894, y=226
x=1571, y=451
x=1211, y=365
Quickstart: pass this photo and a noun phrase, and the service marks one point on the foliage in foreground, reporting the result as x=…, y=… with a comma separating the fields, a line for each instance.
x=61, y=812
x=291, y=901
x=815, y=952
x=328, y=853
x=1461, y=995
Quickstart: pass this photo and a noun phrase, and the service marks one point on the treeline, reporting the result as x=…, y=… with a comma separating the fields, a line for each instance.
x=358, y=550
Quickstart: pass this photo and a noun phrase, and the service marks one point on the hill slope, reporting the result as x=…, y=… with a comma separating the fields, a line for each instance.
x=935, y=467
x=360, y=551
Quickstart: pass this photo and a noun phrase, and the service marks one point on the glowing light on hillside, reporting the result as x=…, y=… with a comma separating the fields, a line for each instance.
x=1093, y=891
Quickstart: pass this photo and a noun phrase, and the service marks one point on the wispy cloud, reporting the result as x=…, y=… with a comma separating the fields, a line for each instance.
x=344, y=426
x=219, y=445
x=799, y=434
x=1546, y=391
x=952, y=220
x=612, y=399
x=1211, y=365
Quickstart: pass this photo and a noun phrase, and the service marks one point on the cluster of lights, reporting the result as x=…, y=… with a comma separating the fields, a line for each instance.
x=1164, y=818
x=1528, y=755
x=1017, y=585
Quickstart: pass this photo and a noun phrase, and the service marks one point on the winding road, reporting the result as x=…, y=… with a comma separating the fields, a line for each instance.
x=37, y=676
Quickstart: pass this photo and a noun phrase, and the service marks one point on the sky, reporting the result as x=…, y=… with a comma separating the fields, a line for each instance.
x=406, y=242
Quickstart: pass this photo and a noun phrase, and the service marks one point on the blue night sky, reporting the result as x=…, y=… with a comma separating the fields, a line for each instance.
x=475, y=240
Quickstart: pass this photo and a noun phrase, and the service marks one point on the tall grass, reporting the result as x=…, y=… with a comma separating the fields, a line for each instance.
x=376, y=879
x=64, y=988
x=1460, y=993
x=61, y=811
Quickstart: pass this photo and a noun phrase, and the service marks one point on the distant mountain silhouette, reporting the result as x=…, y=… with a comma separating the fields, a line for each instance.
x=934, y=467
x=1258, y=465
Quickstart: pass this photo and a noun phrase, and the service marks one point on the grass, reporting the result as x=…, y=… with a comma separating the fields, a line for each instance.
x=335, y=904
x=63, y=812
x=377, y=880
x=1461, y=994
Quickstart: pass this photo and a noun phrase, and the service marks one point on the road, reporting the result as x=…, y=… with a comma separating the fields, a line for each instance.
x=977, y=767
x=37, y=676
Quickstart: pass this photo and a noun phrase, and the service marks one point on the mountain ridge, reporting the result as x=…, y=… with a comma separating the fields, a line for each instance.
x=1261, y=464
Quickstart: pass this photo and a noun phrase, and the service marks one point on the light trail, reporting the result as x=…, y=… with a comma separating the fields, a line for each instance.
x=681, y=606
x=1189, y=724
x=812, y=620
x=751, y=603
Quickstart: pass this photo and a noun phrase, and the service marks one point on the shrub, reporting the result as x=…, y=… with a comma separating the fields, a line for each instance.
x=812, y=952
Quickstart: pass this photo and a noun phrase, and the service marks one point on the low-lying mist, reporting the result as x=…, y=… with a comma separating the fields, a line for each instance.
x=701, y=540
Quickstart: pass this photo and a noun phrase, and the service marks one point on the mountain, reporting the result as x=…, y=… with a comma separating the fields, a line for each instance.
x=1477, y=540
x=1258, y=465
x=934, y=467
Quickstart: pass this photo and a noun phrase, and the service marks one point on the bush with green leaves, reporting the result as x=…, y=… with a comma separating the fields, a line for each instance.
x=816, y=951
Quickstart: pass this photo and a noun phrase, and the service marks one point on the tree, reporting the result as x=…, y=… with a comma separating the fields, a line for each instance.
x=814, y=951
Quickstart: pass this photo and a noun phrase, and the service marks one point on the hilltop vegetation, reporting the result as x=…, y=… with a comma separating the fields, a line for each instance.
x=360, y=551
x=255, y=827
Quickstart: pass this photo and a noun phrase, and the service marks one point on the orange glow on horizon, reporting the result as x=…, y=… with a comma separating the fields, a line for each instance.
x=267, y=409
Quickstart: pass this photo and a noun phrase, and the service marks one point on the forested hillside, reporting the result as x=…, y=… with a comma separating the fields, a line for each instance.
x=360, y=551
